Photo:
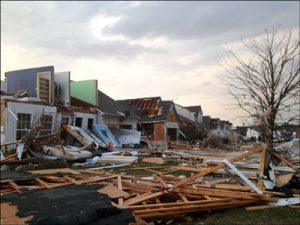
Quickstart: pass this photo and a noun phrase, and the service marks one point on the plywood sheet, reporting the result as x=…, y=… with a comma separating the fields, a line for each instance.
x=113, y=192
x=159, y=132
x=154, y=160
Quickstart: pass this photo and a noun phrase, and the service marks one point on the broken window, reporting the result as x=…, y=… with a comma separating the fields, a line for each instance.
x=23, y=124
x=46, y=122
x=90, y=123
x=78, y=122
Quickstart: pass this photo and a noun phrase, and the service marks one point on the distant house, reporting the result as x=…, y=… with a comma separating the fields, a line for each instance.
x=159, y=120
x=197, y=110
x=217, y=127
x=187, y=117
x=116, y=115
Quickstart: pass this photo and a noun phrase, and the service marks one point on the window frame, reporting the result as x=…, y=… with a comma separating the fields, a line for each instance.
x=23, y=124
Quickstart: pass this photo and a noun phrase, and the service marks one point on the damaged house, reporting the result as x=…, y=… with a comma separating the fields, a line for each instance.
x=217, y=127
x=40, y=93
x=159, y=122
x=29, y=96
x=190, y=122
x=115, y=122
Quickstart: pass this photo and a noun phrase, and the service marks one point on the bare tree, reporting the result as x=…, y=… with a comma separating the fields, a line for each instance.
x=266, y=85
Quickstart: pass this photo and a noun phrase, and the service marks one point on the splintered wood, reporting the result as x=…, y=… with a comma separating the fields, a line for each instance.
x=163, y=197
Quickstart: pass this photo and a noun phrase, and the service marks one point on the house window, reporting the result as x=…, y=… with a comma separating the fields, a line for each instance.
x=23, y=124
x=78, y=122
x=90, y=123
x=46, y=122
x=65, y=120
x=126, y=126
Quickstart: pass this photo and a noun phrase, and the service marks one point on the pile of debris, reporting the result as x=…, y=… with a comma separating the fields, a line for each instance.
x=165, y=197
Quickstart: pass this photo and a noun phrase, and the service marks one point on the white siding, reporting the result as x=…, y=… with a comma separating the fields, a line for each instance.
x=33, y=109
x=85, y=117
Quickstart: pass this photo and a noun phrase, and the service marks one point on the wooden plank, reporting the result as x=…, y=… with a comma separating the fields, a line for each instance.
x=157, y=160
x=98, y=179
x=77, y=136
x=250, y=208
x=215, y=168
x=120, y=187
x=170, y=213
x=179, y=204
x=218, y=193
x=54, y=171
x=72, y=180
x=142, y=198
x=183, y=197
x=8, y=157
x=113, y=192
x=234, y=187
x=261, y=170
x=14, y=186
x=43, y=183
x=284, y=179
x=164, y=184
x=284, y=160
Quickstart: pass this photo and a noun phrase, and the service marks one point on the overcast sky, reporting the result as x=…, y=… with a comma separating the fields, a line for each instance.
x=139, y=49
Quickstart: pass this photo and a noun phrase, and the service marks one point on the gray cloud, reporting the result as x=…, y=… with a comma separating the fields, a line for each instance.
x=62, y=27
x=183, y=65
x=204, y=19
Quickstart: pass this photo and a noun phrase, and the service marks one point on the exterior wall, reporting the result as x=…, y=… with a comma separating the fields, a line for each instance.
x=172, y=117
x=159, y=133
x=132, y=122
x=63, y=80
x=114, y=121
x=86, y=90
x=199, y=118
x=110, y=120
x=85, y=117
x=35, y=110
x=25, y=79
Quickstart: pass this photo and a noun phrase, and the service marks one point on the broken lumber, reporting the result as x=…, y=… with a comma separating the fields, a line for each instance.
x=215, y=168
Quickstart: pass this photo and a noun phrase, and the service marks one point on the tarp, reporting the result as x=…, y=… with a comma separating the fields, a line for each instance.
x=106, y=135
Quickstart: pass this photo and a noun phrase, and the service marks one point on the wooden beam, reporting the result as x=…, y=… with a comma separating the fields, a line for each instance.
x=170, y=213
x=215, y=168
x=120, y=187
x=142, y=198
x=261, y=170
x=43, y=183
x=179, y=204
x=77, y=136
x=183, y=197
x=14, y=186
x=284, y=160
x=164, y=184
x=218, y=193
x=72, y=180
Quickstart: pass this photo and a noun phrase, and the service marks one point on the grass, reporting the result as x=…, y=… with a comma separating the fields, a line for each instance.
x=271, y=216
x=240, y=216
x=130, y=170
